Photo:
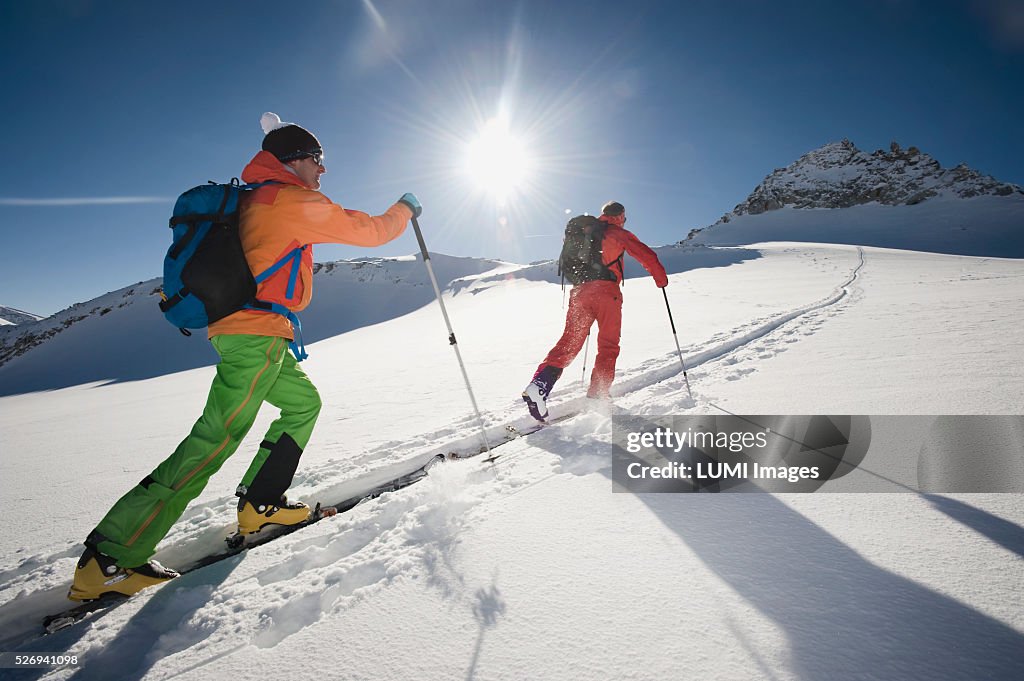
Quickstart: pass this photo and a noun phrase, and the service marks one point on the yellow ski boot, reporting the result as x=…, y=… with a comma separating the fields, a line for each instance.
x=98, y=575
x=254, y=517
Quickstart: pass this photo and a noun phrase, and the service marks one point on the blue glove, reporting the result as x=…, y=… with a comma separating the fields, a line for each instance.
x=412, y=203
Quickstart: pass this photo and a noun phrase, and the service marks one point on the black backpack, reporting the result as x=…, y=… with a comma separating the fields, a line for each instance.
x=581, y=259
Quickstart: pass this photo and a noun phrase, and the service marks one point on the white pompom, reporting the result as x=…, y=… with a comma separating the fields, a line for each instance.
x=271, y=121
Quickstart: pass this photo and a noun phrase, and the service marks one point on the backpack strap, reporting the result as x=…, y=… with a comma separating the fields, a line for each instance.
x=294, y=258
x=621, y=262
x=606, y=272
x=297, y=347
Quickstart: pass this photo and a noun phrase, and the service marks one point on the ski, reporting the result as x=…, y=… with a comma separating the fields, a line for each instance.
x=63, y=620
x=236, y=544
x=516, y=433
x=511, y=433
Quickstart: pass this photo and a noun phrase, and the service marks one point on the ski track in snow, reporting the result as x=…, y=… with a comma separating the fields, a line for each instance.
x=320, y=572
x=756, y=342
x=763, y=343
x=332, y=565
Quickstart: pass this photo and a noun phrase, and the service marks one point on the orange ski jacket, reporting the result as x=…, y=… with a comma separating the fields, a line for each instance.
x=277, y=218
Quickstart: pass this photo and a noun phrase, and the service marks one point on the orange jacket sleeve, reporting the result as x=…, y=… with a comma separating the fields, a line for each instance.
x=312, y=218
x=278, y=218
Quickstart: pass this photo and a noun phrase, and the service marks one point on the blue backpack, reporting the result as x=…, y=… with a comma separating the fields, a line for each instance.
x=206, y=275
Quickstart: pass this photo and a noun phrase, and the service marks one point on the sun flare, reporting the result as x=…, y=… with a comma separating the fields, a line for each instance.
x=496, y=161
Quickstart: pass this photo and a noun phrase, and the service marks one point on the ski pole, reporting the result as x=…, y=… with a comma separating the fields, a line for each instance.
x=585, y=349
x=451, y=333
x=674, y=335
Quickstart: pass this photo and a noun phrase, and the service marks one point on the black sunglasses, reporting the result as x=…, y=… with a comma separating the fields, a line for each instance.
x=317, y=156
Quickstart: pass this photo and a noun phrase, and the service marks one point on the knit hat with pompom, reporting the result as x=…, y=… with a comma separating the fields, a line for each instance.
x=287, y=141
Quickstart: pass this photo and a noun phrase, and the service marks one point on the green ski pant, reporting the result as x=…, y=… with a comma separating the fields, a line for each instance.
x=252, y=370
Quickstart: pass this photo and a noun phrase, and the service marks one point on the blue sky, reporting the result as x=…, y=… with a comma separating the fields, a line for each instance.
x=676, y=109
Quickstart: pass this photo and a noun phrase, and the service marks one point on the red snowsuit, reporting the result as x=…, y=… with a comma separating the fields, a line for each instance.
x=602, y=301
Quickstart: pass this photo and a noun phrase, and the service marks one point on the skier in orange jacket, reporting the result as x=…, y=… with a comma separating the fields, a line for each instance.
x=286, y=216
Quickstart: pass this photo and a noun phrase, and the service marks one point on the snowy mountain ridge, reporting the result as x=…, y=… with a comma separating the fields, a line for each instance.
x=10, y=316
x=839, y=175
x=384, y=288
x=899, y=198
x=19, y=339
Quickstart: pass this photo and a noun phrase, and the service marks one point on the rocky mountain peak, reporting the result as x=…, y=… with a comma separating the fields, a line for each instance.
x=839, y=175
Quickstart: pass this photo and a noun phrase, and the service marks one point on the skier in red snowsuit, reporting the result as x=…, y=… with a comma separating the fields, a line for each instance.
x=599, y=300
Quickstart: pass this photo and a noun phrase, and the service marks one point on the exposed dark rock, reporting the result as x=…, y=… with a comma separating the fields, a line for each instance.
x=838, y=175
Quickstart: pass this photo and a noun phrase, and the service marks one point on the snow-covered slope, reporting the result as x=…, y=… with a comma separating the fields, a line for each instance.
x=982, y=226
x=10, y=316
x=123, y=336
x=533, y=567
x=895, y=199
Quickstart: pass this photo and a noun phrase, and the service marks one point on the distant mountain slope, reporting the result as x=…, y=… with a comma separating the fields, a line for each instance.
x=895, y=199
x=123, y=336
x=12, y=317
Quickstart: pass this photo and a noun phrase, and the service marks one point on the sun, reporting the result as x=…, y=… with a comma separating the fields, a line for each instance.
x=497, y=161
